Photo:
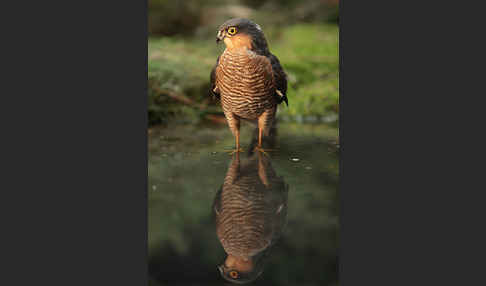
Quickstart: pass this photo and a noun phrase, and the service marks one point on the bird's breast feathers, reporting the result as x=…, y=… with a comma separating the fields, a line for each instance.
x=245, y=80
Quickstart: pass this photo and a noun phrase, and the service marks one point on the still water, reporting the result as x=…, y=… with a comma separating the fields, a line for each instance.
x=219, y=219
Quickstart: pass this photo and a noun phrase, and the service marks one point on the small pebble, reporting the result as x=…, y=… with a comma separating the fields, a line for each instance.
x=214, y=153
x=308, y=168
x=154, y=187
x=295, y=159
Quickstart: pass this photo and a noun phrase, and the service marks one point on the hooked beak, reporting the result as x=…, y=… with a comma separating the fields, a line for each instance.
x=220, y=36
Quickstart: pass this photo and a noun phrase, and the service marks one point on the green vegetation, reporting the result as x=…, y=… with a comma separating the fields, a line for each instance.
x=179, y=68
x=309, y=54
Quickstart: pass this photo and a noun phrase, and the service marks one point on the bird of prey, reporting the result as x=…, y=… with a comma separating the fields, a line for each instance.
x=251, y=212
x=247, y=78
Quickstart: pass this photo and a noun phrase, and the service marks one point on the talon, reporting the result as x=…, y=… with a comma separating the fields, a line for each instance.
x=264, y=151
x=231, y=152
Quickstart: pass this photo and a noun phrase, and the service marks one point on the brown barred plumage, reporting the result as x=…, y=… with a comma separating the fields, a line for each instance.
x=251, y=211
x=247, y=77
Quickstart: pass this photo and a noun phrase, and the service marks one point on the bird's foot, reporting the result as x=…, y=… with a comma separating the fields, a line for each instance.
x=264, y=151
x=238, y=150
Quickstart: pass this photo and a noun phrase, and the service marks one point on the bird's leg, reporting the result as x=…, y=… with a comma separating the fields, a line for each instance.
x=237, y=139
x=265, y=121
x=259, y=146
x=237, y=144
x=234, y=124
x=262, y=172
x=233, y=172
x=260, y=135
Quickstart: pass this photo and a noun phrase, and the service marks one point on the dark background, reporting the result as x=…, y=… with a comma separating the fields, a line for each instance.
x=72, y=205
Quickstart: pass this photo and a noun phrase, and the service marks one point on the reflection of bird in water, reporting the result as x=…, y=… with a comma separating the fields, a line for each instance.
x=247, y=78
x=251, y=211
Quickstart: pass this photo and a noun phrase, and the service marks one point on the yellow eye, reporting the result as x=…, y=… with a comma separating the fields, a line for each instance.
x=233, y=274
x=232, y=30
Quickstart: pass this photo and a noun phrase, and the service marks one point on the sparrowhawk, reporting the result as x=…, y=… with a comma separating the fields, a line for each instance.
x=247, y=78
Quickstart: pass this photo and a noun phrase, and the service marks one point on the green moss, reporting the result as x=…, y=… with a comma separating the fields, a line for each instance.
x=178, y=66
x=308, y=53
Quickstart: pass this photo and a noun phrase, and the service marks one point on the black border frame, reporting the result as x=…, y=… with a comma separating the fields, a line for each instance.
x=75, y=152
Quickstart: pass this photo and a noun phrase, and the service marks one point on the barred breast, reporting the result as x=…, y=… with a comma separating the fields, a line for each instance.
x=246, y=83
x=250, y=216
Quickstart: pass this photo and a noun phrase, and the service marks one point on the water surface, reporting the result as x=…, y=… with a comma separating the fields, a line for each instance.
x=296, y=187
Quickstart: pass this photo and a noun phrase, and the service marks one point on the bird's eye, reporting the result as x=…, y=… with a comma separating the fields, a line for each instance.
x=233, y=274
x=232, y=30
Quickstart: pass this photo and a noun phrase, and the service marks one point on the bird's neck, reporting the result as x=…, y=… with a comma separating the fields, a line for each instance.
x=239, y=263
x=239, y=42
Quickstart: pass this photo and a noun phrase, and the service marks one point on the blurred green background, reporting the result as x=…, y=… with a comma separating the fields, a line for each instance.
x=182, y=52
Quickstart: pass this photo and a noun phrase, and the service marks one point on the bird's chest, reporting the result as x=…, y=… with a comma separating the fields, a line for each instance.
x=243, y=223
x=245, y=83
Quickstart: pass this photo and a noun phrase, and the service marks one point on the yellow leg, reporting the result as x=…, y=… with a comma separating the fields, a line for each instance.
x=262, y=170
x=238, y=148
x=238, y=140
x=234, y=125
x=260, y=137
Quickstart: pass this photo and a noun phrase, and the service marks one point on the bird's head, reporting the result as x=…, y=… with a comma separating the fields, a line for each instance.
x=239, y=33
x=239, y=270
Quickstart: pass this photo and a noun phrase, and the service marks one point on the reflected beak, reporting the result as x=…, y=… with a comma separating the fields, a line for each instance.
x=220, y=36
